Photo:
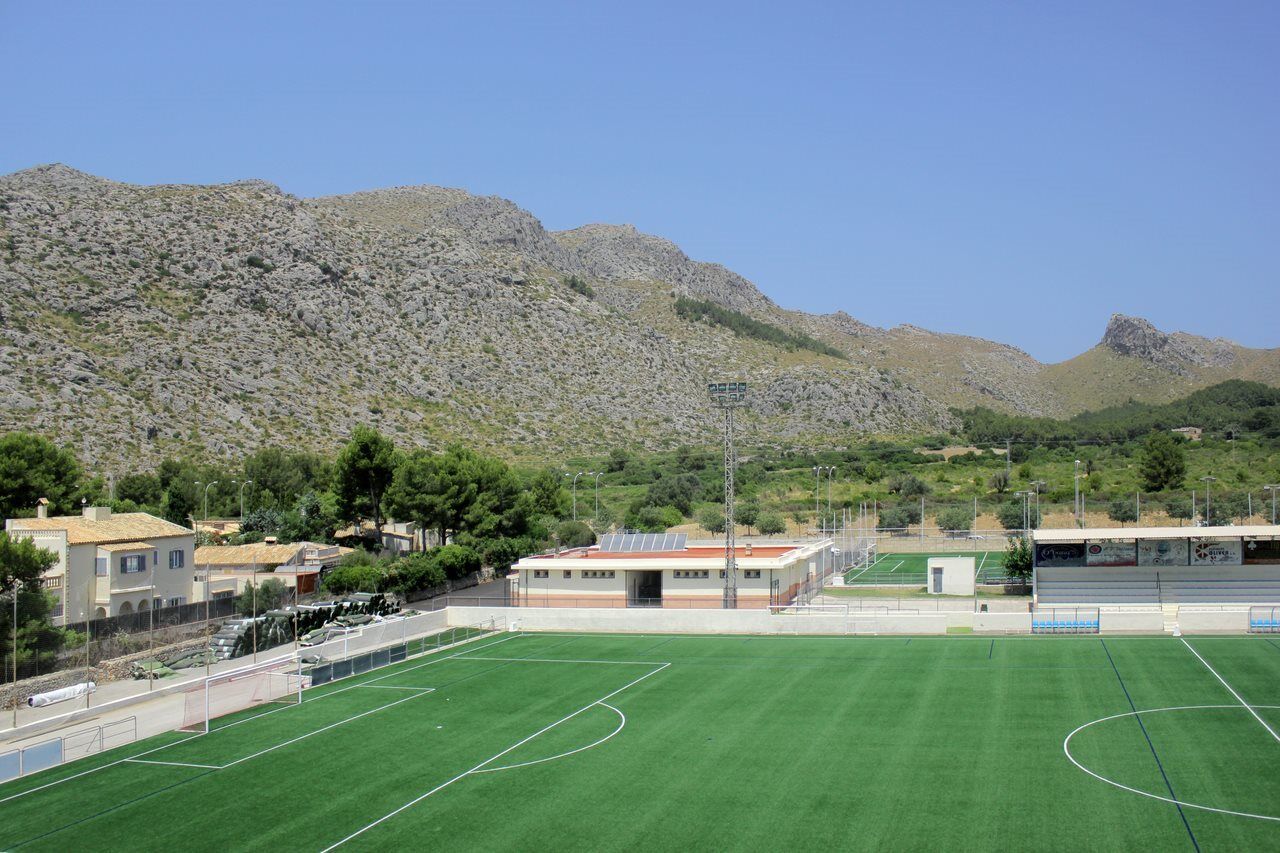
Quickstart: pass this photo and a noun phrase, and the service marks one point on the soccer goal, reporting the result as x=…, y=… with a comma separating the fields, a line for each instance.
x=217, y=696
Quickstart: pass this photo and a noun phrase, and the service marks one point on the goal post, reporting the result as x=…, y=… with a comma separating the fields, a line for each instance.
x=277, y=682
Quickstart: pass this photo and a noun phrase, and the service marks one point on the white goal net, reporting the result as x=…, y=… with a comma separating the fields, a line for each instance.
x=239, y=690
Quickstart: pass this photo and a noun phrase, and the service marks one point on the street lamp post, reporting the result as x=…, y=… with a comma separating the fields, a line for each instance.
x=15, y=648
x=242, y=485
x=1273, y=488
x=1039, y=484
x=596, y=516
x=575, y=489
x=1079, y=514
x=1208, y=498
x=818, y=472
x=207, y=486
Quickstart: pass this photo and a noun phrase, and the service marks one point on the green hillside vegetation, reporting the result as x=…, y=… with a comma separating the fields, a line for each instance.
x=748, y=327
x=1229, y=407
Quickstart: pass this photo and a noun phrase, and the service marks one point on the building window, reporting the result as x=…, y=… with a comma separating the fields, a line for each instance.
x=567, y=574
x=177, y=558
x=177, y=601
x=691, y=573
x=133, y=563
x=540, y=573
x=751, y=574
x=155, y=558
x=100, y=567
x=598, y=574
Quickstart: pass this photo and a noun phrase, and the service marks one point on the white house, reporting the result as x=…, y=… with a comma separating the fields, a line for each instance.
x=111, y=564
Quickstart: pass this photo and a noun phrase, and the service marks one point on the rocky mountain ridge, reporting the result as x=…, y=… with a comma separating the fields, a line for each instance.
x=142, y=321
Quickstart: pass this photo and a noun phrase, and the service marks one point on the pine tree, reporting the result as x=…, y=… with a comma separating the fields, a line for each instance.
x=1164, y=464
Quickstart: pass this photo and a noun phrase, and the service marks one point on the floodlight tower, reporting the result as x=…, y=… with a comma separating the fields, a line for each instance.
x=728, y=396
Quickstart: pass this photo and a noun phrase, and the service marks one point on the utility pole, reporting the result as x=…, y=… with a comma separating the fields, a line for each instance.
x=728, y=396
x=1272, y=488
x=1008, y=456
x=1208, y=498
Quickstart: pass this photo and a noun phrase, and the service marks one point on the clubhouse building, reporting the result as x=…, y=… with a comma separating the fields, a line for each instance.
x=662, y=570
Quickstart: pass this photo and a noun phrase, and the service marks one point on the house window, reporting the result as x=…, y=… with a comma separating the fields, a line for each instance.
x=691, y=573
x=540, y=573
x=598, y=574
x=133, y=563
x=567, y=574
x=177, y=601
x=155, y=558
x=751, y=574
x=177, y=558
x=100, y=567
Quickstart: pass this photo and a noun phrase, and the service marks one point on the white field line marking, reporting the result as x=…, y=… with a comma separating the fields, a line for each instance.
x=622, y=724
x=174, y=763
x=491, y=759
x=869, y=567
x=246, y=720
x=93, y=770
x=573, y=660
x=895, y=568
x=1066, y=747
x=366, y=683
x=982, y=561
x=394, y=687
x=326, y=728
x=1232, y=691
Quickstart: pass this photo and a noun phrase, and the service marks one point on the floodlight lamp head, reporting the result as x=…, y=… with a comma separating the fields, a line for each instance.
x=727, y=393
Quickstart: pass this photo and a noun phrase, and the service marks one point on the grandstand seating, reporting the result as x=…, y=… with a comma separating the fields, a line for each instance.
x=1155, y=587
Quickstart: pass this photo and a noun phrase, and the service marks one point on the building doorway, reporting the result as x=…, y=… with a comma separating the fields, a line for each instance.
x=644, y=589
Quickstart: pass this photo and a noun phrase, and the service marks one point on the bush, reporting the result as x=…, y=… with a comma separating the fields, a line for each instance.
x=957, y=519
x=1010, y=514
x=270, y=594
x=577, y=285
x=679, y=491
x=1017, y=558
x=653, y=519
x=771, y=524
x=413, y=573
x=355, y=577
x=575, y=534
x=711, y=519
x=1122, y=510
x=907, y=486
x=895, y=517
x=457, y=561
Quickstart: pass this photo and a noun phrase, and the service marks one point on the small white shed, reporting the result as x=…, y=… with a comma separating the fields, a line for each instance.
x=951, y=576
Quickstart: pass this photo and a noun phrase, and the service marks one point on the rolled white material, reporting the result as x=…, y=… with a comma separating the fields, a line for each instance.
x=62, y=694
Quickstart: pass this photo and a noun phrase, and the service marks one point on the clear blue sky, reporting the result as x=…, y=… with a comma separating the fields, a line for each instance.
x=1017, y=171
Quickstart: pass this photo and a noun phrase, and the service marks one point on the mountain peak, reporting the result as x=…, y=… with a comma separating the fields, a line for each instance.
x=1139, y=338
x=54, y=175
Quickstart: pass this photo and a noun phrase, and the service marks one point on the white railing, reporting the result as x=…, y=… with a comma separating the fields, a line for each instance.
x=50, y=753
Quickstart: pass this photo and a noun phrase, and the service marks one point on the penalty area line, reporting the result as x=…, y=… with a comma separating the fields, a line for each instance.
x=1232, y=691
x=479, y=767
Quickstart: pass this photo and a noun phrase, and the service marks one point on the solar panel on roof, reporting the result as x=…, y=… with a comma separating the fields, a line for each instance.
x=615, y=543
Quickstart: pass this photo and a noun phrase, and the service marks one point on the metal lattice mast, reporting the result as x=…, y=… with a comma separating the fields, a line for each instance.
x=729, y=396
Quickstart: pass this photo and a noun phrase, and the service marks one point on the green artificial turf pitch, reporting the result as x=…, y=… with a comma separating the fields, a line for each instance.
x=912, y=568
x=702, y=743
